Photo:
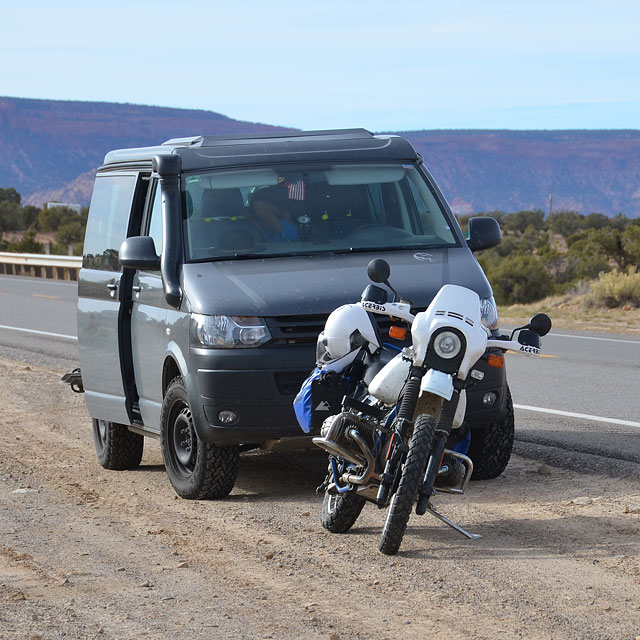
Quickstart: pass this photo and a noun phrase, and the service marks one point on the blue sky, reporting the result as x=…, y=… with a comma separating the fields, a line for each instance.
x=394, y=65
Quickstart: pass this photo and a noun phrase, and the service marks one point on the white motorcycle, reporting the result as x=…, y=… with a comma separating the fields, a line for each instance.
x=388, y=441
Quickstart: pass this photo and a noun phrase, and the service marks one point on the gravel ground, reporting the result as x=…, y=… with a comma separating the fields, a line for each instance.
x=90, y=553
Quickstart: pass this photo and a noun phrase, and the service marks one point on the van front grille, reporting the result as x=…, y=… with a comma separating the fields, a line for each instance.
x=288, y=383
x=296, y=329
x=304, y=329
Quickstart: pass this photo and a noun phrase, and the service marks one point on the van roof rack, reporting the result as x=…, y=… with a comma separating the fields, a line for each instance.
x=211, y=141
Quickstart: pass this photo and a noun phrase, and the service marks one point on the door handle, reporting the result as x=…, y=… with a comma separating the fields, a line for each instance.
x=136, y=288
x=112, y=289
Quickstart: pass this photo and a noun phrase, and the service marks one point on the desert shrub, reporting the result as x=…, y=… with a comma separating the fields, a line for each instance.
x=614, y=289
x=566, y=223
x=521, y=220
x=519, y=279
x=28, y=244
x=70, y=232
x=53, y=218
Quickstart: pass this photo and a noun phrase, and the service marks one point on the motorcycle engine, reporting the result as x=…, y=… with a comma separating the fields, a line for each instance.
x=336, y=440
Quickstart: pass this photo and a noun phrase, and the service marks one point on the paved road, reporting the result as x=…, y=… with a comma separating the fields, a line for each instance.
x=34, y=305
x=594, y=375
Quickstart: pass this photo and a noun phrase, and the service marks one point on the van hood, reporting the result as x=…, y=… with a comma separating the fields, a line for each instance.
x=305, y=285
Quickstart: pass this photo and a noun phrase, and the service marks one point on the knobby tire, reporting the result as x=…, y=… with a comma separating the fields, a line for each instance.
x=339, y=512
x=410, y=482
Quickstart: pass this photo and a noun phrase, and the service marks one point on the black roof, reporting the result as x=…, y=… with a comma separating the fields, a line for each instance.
x=203, y=152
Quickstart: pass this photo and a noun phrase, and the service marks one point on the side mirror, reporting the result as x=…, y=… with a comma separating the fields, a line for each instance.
x=139, y=252
x=375, y=294
x=379, y=270
x=484, y=233
x=540, y=324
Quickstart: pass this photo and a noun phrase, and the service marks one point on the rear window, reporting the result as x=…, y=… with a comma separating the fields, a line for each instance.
x=337, y=208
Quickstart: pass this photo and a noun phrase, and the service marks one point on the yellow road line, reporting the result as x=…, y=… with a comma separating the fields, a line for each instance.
x=542, y=355
x=42, y=295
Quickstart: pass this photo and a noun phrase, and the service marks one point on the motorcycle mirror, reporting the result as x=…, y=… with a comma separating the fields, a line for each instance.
x=540, y=323
x=379, y=270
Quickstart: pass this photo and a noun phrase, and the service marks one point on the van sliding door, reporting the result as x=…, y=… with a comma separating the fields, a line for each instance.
x=100, y=296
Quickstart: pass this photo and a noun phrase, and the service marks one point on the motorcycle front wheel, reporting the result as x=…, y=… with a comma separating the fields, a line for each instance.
x=411, y=479
x=340, y=511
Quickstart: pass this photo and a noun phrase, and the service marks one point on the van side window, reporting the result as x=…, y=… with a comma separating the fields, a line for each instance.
x=108, y=221
x=155, y=226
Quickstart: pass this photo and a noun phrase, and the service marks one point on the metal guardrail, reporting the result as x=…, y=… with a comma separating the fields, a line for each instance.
x=40, y=265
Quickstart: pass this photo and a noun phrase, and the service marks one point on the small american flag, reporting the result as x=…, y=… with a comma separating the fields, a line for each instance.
x=296, y=190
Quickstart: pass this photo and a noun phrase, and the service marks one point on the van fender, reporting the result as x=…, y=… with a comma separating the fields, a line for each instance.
x=191, y=384
x=174, y=352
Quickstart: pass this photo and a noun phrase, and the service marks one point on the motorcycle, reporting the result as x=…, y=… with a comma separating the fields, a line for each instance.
x=391, y=417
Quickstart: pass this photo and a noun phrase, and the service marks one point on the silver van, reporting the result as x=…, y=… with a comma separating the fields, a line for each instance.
x=210, y=265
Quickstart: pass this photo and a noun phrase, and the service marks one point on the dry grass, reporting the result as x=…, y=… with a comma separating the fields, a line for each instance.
x=571, y=311
x=614, y=290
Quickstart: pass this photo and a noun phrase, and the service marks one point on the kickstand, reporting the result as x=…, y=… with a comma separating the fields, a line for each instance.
x=453, y=525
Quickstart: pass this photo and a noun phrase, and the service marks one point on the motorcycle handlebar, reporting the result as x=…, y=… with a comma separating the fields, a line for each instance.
x=513, y=345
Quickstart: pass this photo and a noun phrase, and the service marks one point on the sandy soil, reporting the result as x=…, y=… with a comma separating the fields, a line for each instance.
x=89, y=553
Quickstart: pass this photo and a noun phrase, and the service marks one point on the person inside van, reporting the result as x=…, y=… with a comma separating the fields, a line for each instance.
x=267, y=211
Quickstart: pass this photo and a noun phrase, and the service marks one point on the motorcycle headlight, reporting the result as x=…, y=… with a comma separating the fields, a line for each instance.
x=447, y=345
x=489, y=313
x=228, y=332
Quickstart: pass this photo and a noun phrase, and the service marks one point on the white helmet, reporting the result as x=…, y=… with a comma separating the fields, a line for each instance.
x=348, y=328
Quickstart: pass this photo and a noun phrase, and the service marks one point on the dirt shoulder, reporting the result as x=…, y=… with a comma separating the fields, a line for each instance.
x=88, y=553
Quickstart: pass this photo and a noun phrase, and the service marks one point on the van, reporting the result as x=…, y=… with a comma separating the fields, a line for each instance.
x=210, y=266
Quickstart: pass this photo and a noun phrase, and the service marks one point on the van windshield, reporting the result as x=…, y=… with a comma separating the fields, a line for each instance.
x=276, y=211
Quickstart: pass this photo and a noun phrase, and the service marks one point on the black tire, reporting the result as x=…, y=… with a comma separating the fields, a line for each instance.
x=410, y=482
x=340, y=511
x=491, y=447
x=197, y=470
x=117, y=448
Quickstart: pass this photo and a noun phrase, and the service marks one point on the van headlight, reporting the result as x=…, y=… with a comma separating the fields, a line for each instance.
x=489, y=313
x=228, y=332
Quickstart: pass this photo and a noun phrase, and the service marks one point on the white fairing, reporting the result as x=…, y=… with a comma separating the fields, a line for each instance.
x=438, y=383
x=461, y=409
x=388, y=382
x=456, y=307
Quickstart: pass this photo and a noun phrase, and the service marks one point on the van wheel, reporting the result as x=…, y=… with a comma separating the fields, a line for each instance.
x=117, y=448
x=197, y=470
x=491, y=447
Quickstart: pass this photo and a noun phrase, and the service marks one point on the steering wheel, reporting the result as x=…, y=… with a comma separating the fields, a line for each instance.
x=368, y=225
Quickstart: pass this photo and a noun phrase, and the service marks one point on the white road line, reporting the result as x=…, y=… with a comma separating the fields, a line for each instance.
x=34, y=280
x=566, y=335
x=584, y=416
x=40, y=333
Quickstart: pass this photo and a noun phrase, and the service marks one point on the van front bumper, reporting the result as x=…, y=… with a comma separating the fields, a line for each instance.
x=242, y=382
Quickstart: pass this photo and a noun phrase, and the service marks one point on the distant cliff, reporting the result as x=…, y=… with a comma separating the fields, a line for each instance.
x=49, y=150
x=587, y=171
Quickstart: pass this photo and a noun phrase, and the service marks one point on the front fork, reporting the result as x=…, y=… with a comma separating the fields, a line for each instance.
x=398, y=447
x=443, y=429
